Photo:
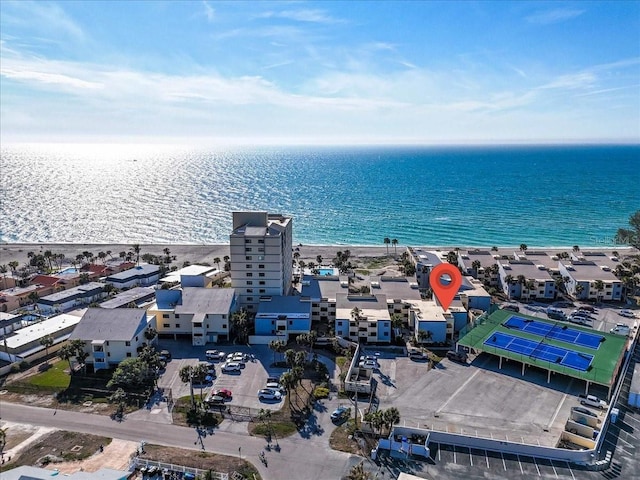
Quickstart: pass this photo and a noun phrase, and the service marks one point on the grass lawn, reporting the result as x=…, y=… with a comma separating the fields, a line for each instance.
x=54, y=377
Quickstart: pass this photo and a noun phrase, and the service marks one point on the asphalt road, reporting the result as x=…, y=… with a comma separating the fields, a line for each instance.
x=307, y=457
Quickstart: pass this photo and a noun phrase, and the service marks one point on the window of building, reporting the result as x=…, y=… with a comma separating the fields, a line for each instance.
x=249, y=290
x=136, y=339
x=248, y=265
x=290, y=322
x=261, y=240
x=166, y=325
x=177, y=325
x=261, y=265
x=177, y=315
x=107, y=343
x=262, y=290
x=198, y=324
x=248, y=257
x=165, y=315
x=224, y=315
x=247, y=240
x=249, y=282
x=128, y=354
x=249, y=299
x=224, y=325
x=323, y=309
x=339, y=322
x=262, y=282
x=385, y=334
x=249, y=274
x=260, y=249
x=248, y=249
x=261, y=274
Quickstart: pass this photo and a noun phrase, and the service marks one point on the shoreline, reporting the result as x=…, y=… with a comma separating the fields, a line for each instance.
x=199, y=253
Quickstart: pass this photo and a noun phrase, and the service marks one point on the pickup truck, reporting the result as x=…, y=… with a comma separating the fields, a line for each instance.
x=593, y=401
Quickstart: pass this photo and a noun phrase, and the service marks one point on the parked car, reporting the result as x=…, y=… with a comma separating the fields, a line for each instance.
x=231, y=367
x=224, y=392
x=580, y=313
x=275, y=386
x=620, y=329
x=584, y=411
x=593, y=401
x=165, y=355
x=578, y=319
x=273, y=379
x=457, y=356
x=216, y=400
x=587, y=308
x=415, y=354
x=626, y=313
x=369, y=364
x=269, y=394
x=214, y=355
x=339, y=413
x=511, y=307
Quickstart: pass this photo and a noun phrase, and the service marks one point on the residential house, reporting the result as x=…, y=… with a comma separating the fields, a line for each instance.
x=112, y=335
x=193, y=276
x=137, y=296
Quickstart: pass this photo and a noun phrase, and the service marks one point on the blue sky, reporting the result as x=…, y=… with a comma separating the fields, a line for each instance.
x=320, y=72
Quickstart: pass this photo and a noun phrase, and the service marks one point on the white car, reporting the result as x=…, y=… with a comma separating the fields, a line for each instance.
x=214, y=355
x=370, y=364
x=621, y=329
x=269, y=394
x=231, y=367
x=275, y=386
x=626, y=313
x=593, y=401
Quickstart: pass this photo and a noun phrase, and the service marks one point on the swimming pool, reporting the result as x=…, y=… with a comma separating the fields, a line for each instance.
x=68, y=270
x=327, y=271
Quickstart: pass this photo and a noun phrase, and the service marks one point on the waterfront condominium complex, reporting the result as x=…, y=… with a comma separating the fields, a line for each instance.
x=261, y=257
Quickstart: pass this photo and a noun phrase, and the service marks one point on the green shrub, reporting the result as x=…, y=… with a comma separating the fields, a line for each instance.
x=24, y=365
x=15, y=367
x=321, y=392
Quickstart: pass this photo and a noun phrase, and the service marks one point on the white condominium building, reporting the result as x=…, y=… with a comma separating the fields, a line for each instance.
x=261, y=256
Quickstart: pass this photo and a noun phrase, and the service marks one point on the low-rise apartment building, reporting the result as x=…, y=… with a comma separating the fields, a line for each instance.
x=282, y=317
x=112, y=335
x=140, y=276
x=523, y=279
x=363, y=318
x=201, y=314
x=75, y=297
x=588, y=281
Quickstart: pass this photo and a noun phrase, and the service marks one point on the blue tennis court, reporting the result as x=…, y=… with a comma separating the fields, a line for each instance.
x=556, y=331
x=550, y=353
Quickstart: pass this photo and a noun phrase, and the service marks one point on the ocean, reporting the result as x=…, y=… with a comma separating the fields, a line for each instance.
x=467, y=196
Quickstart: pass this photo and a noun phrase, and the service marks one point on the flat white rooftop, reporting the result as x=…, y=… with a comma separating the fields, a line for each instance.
x=52, y=326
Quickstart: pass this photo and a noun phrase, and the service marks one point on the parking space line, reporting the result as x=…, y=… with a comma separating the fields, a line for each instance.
x=503, y=462
x=454, y=455
x=554, y=468
x=520, y=463
x=536, y=464
x=439, y=454
x=622, y=439
x=486, y=456
x=570, y=471
x=471, y=457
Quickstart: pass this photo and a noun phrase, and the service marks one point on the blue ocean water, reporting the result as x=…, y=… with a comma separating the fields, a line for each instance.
x=471, y=196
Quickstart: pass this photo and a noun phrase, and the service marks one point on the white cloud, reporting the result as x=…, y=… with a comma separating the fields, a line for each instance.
x=49, y=79
x=46, y=17
x=209, y=11
x=303, y=15
x=556, y=15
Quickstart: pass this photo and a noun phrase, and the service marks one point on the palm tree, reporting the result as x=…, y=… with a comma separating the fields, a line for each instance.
x=387, y=242
x=288, y=381
x=576, y=248
x=136, y=249
x=529, y=285
x=599, y=286
x=452, y=258
x=494, y=249
x=394, y=242
x=186, y=376
x=13, y=266
x=424, y=336
x=46, y=342
x=102, y=256
x=217, y=262
x=476, y=266
x=276, y=346
x=290, y=357
x=579, y=289
x=391, y=417
x=3, y=271
x=48, y=256
x=319, y=260
x=523, y=247
x=67, y=352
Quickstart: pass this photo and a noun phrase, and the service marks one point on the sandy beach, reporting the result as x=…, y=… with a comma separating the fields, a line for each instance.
x=191, y=253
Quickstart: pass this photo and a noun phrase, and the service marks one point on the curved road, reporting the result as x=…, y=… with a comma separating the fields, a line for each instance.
x=309, y=458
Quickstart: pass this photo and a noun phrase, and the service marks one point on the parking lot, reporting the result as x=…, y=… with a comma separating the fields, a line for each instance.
x=244, y=384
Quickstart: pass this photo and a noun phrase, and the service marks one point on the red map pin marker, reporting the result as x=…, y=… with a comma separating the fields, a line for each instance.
x=445, y=291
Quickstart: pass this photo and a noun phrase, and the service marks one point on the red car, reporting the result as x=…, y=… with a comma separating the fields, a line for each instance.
x=224, y=393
